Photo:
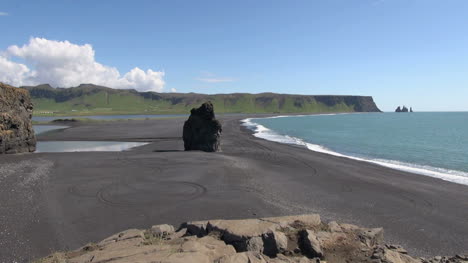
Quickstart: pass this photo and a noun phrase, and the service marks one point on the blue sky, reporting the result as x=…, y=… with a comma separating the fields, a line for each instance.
x=412, y=52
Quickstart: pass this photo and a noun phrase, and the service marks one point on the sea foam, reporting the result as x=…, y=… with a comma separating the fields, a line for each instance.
x=263, y=132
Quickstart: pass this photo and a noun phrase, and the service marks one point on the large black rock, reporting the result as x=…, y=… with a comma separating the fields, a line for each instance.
x=202, y=131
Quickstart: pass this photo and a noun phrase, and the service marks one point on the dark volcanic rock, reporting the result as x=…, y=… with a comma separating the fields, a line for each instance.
x=404, y=109
x=202, y=131
x=16, y=131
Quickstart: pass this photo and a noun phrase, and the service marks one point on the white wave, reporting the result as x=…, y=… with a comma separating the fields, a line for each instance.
x=308, y=115
x=262, y=132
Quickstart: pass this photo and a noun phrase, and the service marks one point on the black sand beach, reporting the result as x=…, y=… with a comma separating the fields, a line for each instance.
x=60, y=201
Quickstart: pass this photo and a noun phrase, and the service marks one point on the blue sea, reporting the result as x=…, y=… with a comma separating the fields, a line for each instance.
x=429, y=143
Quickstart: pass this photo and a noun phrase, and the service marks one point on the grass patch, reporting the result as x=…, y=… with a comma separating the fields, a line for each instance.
x=152, y=239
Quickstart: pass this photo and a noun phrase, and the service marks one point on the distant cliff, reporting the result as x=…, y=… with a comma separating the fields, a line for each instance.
x=88, y=98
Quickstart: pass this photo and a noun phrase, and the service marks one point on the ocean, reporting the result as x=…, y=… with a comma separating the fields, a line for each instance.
x=429, y=143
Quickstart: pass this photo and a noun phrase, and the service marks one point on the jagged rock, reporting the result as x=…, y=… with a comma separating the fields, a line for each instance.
x=196, y=228
x=255, y=244
x=439, y=259
x=16, y=130
x=202, y=131
x=274, y=242
x=390, y=256
x=240, y=232
x=310, y=244
x=293, y=239
x=285, y=259
x=372, y=236
x=404, y=109
x=334, y=227
x=244, y=257
x=397, y=248
x=162, y=230
x=207, y=246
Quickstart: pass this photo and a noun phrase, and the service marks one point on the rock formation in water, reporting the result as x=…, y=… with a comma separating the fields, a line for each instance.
x=16, y=130
x=411, y=109
x=404, y=109
x=202, y=131
x=302, y=238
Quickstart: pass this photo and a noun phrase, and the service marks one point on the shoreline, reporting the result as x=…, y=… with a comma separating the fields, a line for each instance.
x=64, y=200
x=260, y=131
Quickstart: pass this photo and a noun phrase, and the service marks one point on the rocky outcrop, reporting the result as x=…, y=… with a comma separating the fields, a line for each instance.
x=303, y=238
x=16, y=131
x=404, y=109
x=202, y=131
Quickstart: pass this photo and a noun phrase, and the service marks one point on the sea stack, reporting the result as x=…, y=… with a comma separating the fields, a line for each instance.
x=404, y=109
x=202, y=131
x=16, y=130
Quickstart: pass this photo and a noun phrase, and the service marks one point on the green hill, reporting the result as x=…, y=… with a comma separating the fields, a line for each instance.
x=89, y=99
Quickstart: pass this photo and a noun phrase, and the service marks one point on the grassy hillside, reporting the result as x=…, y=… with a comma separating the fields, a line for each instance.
x=91, y=99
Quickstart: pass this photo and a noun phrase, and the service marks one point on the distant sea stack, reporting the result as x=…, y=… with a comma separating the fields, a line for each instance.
x=16, y=130
x=404, y=109
x=202, y=131
x=102, y=100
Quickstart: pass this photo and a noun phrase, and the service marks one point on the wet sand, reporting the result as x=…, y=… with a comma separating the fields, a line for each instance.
x=60, y=201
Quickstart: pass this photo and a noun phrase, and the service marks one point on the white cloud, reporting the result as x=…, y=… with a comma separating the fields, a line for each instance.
x=3, y=13
x=173, y=90
x=64, y=64
x=13, y=73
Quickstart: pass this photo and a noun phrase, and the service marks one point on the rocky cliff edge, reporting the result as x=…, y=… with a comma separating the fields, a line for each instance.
x=302, y=238
x=16, y=130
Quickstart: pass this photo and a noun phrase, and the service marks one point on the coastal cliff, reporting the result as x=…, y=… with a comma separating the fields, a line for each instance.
x=289, y=239
x=16, y=131
x=89, y=98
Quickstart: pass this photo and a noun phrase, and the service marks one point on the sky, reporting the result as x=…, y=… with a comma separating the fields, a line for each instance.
x=401, y=52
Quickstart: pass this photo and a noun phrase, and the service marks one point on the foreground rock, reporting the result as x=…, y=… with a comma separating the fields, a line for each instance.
x=301, y=239
x=16, y=131
x=202, y=131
